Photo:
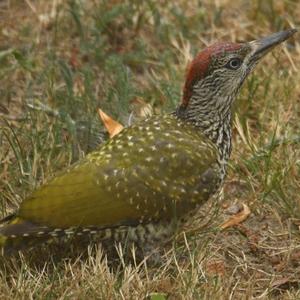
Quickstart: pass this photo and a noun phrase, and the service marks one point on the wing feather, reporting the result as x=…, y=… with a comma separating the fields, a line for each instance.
x=123, y=184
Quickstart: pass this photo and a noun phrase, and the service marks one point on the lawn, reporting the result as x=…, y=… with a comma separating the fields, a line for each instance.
x=62, y=60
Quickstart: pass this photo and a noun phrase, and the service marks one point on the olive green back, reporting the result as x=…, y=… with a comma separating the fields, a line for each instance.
x=159, y=168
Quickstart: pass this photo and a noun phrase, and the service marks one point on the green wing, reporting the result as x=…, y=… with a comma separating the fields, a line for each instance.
x=149, y=171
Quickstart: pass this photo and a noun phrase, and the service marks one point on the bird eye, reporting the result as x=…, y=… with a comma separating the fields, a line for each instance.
x=234, y=63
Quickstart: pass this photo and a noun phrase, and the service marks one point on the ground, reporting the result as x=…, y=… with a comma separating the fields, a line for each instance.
x=61, y=60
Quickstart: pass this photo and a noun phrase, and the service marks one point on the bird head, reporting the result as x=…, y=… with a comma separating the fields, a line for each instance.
x=216, y=74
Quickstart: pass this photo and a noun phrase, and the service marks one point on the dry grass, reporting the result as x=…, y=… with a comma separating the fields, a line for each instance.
x=60, y=60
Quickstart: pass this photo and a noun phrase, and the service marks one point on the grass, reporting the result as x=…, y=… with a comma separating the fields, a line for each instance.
x=61, y=60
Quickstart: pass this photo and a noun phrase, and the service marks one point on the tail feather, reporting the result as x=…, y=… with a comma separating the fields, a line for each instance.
x=19, y=234
x=16, y=234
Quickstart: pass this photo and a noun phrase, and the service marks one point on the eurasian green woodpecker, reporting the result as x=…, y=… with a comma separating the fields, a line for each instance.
x=141, y=185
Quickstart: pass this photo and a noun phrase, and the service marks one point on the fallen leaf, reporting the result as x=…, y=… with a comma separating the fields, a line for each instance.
x=285, y=283
x=280, y=281
x=215, y=268
x=113, y=127
x=238, y=218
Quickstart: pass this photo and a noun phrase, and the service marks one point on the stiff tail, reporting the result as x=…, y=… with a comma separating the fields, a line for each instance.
x=17, y=234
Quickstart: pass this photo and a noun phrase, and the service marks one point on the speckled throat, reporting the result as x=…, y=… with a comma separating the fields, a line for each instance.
x=216, y=126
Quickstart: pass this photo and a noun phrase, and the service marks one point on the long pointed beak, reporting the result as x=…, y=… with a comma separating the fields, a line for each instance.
x=262, y=46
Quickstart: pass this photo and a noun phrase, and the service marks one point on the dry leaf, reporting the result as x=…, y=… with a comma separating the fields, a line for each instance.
x=285, y=283
x=238, y=218
x=113, y=127
x=214, y=268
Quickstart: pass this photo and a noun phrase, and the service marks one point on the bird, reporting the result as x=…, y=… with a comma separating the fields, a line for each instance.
x=142, y=185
